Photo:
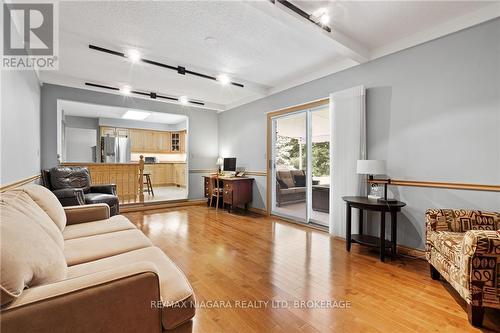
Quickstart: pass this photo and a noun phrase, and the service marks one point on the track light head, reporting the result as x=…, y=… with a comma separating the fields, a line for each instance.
x=133, y=55
x=125, y=90
x=223, y=79
x=183, y=100
x=324, y=19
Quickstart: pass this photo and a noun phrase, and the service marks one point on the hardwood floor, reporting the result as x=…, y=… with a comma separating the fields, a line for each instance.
x=234, y=258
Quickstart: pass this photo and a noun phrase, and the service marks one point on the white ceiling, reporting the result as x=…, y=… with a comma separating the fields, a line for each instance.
x=71, y=108
x=263, y=46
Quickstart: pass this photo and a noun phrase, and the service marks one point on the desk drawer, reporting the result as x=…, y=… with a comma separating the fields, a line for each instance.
x=228, y=196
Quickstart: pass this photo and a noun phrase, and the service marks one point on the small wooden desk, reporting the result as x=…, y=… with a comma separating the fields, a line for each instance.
x=237, y=191
x=363, y=203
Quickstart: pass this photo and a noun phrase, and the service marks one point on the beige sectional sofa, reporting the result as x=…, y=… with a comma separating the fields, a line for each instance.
x=76, y=269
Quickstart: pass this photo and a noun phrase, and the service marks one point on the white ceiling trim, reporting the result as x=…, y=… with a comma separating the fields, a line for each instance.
x=462, y=22
x=311, y=76
x=343, y=44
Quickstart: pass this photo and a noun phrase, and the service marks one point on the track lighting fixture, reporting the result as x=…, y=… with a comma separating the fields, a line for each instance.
x=135, y=56
x=126, y=90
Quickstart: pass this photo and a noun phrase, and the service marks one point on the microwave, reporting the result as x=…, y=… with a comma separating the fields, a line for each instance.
x=150, y=160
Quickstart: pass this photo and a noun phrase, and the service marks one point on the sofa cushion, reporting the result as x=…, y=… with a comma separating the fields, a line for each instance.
x=22, y=202
x=293, y=190
x=299, y=180
x=114, y=223
x=176, y=292
x=85, y=249
x=48, y=202
x=449, y=244
x=70, y=177
x=286, y=177
x=282, y=184
x=29, y=255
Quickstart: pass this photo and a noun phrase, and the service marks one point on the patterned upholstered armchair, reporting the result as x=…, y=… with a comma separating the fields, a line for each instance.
x=463, y=246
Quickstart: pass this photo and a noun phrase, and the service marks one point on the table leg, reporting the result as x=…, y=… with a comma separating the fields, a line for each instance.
x=348, y=227
x=360, y=222
x=394, y=232
x=382, y=236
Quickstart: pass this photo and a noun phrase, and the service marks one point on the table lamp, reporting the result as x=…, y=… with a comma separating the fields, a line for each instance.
x=370, y=168
x=220, y=163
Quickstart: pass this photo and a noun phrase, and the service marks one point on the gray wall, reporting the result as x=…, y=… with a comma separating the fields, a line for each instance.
x=20, y=125
x=433, y=112
x=127, y=123
x=202, y=136
x=81, y=122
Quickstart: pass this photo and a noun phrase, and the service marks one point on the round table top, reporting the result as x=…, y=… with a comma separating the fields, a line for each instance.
x=365, y=201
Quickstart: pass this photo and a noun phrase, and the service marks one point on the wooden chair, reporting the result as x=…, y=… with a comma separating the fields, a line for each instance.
x=214, y=190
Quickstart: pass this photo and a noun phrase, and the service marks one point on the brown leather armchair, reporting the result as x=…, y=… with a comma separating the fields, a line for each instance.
x=72, y=186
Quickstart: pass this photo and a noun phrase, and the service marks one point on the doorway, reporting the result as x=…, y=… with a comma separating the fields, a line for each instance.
x=300, y=164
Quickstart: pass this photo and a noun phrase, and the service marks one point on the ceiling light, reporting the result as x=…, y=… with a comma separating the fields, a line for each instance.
x=125, y=90
x=324, y=19
x=133, y=55
x=223, y=79
x=183, y=100
x=136, y=115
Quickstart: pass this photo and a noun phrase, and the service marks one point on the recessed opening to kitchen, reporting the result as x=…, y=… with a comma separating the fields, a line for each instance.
x=143, y=152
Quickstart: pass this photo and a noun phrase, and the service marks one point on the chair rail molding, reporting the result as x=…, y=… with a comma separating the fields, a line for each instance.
x=444, y=185
x=18, y=183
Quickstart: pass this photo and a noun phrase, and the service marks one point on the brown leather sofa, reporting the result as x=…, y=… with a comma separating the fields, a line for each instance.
x=76, y=269
x=287, y=189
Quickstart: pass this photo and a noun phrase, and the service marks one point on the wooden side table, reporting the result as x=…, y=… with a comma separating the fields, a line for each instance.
x=363, y=203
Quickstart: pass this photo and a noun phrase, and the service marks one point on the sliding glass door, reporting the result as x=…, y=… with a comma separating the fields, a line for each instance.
x=301, y=165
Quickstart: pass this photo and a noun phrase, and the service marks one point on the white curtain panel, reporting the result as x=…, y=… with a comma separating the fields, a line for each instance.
x=347, y=145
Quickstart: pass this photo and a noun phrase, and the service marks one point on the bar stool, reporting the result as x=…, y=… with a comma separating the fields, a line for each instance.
x=149, y=185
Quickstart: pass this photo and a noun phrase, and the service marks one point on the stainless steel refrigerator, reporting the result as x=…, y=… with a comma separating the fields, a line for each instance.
x=115, y=149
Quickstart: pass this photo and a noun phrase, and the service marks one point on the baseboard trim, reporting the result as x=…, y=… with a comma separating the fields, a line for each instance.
x=18, y=183
x=258, y=210
x=403, y=250
x=139, y=207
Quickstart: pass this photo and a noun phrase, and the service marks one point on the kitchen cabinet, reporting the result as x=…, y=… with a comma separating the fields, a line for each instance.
x=136, y=140
x=122, y=132
x=163, y=174
x=149, y=141
x=165, y=142
x=105, y=131
x=175, y=143
x=182, y=141
x=180, y=174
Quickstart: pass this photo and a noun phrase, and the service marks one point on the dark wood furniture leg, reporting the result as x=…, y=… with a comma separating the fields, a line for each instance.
x=360, y=221
x=475, y=314
x=348, y=227
x=151, y=186
x=394, y=233
x=382, y=236
x=434, y=273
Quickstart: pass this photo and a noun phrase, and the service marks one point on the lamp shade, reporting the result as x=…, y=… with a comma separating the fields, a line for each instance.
x=371, y=167
x=220, y=161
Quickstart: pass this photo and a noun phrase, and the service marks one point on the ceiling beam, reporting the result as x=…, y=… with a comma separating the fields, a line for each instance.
x=344, y=45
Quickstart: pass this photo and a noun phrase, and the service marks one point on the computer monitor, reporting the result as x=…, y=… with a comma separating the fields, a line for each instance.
x=229, y=163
